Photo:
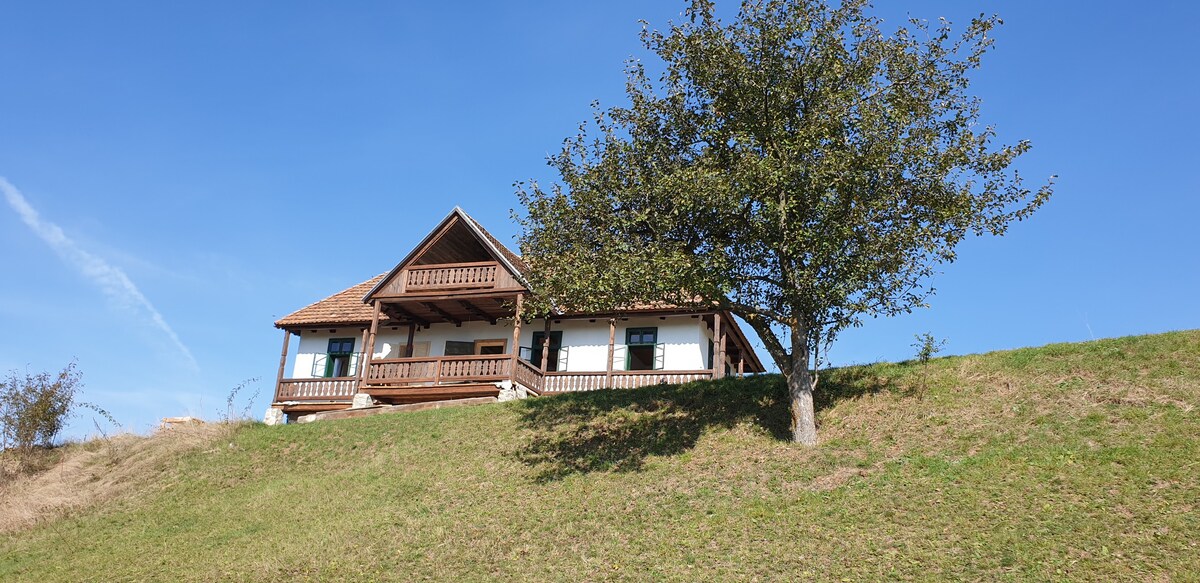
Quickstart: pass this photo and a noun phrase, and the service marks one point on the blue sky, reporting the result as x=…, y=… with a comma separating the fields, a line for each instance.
x=186, y=174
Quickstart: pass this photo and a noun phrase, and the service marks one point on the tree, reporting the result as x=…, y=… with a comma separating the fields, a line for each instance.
x=34, y=408
x=794, y=166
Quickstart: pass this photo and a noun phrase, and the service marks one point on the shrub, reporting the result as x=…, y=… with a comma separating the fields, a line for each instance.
x=35, y=407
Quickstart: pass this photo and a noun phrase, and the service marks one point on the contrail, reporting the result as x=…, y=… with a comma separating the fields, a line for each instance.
x=111, y=280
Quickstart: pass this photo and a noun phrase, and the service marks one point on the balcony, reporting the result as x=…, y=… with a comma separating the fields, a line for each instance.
x=459, y=276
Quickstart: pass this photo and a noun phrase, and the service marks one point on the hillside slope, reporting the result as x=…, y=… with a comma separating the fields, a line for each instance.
x=1070, y=461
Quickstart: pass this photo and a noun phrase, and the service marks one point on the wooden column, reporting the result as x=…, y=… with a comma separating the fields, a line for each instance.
x=412, y=337
x=721, y=346
x=371, y=340
x=362, y=360
x=718, y=367
x=516, y=343
x=612, y=338
x=287, y=339
x=546, y=344
x=741, y=367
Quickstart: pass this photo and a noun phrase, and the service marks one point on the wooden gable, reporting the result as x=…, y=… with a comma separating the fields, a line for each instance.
x=457, y=257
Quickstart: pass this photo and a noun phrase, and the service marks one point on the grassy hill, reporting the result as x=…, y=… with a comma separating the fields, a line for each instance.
x=1070, y=461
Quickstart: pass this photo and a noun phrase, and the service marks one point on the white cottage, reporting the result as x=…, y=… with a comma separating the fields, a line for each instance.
x=446, y=323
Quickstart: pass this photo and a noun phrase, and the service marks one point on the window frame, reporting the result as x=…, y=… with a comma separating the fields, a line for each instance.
x=555, y=349
x=332, y=357
x=641, y=332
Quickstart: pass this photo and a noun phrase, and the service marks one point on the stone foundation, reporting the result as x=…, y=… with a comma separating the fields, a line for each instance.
x=361, y=401
x=274, y=417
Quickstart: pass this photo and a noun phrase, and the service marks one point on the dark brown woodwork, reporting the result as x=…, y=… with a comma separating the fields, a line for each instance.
x=452, y=276
x=477, y=311
x=412, y=333
x=718, y=363
x=443, y=313
x=370, y=352
x=500, y=293
x=402, y=314
x=720, y=372
x=287, y=339
x=612, y=340
x=422, y=394
x=362, y=360
x=516, y=343
x=545, y=346
x=315, y=407
x=452, y=257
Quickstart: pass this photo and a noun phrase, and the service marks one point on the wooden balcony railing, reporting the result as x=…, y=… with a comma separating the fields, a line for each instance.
x=479, y=275
x=437, y=370
x=327, y=389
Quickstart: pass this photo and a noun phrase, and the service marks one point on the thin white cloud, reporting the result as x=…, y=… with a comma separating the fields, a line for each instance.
x=111, y=280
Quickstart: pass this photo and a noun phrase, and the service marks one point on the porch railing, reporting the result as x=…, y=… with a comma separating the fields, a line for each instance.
x=459, y=276
x=528, y=375
x=435, y=370
x=327, y=389
x=622, y=379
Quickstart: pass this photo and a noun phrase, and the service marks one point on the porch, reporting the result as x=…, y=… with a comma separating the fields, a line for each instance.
x=413, y=379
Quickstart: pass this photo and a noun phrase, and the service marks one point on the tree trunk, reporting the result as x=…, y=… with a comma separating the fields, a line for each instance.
x=800, y=386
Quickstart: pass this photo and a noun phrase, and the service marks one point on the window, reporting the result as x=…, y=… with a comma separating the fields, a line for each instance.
x=456, y=348
x=641, y=349
x=491, y=346
x=420, y=349
x=535, y=353
x=339, y=358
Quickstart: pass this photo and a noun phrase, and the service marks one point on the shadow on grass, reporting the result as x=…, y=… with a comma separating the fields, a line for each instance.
x=616, y=430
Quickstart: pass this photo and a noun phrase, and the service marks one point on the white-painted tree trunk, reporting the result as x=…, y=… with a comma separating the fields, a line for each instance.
x=800, y=388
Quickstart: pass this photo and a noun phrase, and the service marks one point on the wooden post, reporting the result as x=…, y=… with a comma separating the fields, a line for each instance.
x=371, y=340
x=362, y=367
x=741, y=367
x=546, y=344
x=516, y=343
x=718, y=367
x=612, y=338
x=721, y=345
x=287, y=339
x=412, y=335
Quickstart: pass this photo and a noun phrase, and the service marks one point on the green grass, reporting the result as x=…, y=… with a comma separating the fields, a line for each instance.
x=1070, y=461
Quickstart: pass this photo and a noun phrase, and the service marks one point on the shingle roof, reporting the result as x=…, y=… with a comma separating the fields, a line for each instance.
x=344, y=307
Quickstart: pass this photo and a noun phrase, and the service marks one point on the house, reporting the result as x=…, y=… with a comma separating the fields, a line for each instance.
x=446, y=323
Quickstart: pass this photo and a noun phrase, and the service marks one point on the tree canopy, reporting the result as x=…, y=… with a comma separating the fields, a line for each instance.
x=796, y=166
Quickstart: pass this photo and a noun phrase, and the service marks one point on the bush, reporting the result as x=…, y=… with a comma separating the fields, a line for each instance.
x=34, y=408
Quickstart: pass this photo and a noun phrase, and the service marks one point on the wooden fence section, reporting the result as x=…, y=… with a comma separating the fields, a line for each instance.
x=437, y=370
x=329, y=389
x=528, y=375
x=480, y=275
x=625, y=379
x=452, y=370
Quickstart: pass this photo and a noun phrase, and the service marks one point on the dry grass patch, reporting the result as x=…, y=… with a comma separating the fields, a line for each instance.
x=78, y=476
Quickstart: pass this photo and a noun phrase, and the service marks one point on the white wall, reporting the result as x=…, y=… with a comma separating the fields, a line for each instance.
x=315, y=342
x=684, y=340
x=388, y=341
x=587, y=342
